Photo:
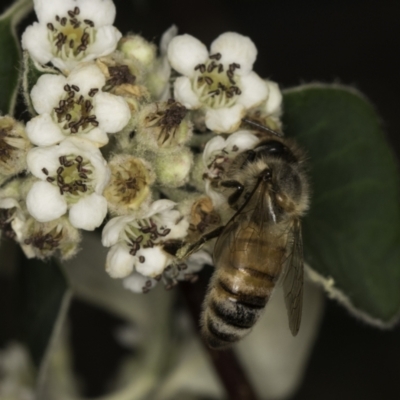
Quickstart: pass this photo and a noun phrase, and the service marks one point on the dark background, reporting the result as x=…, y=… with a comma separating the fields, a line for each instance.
x=352, y=42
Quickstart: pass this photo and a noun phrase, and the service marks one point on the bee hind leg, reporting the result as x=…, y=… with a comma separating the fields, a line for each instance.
x=190, y=248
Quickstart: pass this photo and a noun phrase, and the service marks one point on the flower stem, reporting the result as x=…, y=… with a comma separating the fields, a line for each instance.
x=225, y=362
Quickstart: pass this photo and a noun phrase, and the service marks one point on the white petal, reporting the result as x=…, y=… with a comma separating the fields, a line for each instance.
x=18, y=226
x=184, y=93
x=217, y=198
x=159, y=206
x=8, y=202
x=47, y=92
x=197, y=261
x=65, y=66
x=119, y=262
x=178, y=231
x=217, y=143
x=274, y=101
x=112, y=112
x=47, y=10
x=36, y=42
x=235, y=48
x=89, y=212
x=43, y=157
x=43, y=131
x=185, y=52
x=243, y=139
x=155, y=261
x=254, y=90
x=87, y=76
x=107, y=38
x=101, y=12
x=45, y=203
x=135, y=282
x=225, y=120
x=166, y=38
x=111, y=231
x=97, y=136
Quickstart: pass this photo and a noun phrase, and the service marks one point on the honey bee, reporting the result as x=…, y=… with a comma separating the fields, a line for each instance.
x=261, y=243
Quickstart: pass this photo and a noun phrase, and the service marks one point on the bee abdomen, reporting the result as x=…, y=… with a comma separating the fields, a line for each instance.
x=229, y=314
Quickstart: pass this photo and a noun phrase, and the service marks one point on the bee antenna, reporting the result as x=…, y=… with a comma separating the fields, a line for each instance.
x=263, y=127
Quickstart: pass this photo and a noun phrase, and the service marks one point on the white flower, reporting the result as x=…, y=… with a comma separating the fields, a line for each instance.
x=75, y=106
x=219, y=150
x=136, y=242
x=217, y=155
x=72, y=176
x=222, y=82
x=71, y=31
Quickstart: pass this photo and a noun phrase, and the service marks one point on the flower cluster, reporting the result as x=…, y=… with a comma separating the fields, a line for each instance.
x=122, y=130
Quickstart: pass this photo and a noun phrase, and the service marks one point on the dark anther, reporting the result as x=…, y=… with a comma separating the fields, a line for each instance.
x=220, y=68
x=76, y=88
x=208, y=80
x=57, y=18
x=50, y=179
x=50, y=26
x=142, y=259
x=89, y=22
x=45, y=171
x=71, y=44
x=214, y=93
x=71, y=14
x=211, y=66
x=148, y=283
x=216, y=56
x=92, y=92
x=79, y=159
x=77, y=10
x=60, y=170
x=63, y=21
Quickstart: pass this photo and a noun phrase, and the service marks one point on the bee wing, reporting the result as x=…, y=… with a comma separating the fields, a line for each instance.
x=249, y=222
x=293, y=278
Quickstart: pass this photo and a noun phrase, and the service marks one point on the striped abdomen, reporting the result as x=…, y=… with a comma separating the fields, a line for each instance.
x=240, y=288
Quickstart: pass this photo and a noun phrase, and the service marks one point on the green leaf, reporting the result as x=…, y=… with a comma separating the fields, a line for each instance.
x=10, y=54
x=43, y=302
x=352, y=231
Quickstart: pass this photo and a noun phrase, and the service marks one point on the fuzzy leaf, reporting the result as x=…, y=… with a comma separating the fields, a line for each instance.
x=43, y=292
x=10, y=54
x=352, y=231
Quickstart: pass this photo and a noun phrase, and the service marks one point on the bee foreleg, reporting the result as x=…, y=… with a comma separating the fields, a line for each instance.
x=191, y=248
x=234, y=197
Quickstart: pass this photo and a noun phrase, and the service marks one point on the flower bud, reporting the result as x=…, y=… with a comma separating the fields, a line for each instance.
x=172, y=168
x=136, y=47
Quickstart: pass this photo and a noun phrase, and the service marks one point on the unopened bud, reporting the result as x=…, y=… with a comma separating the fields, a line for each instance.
x=172, y=168
x=136, y=47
